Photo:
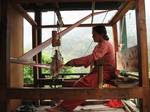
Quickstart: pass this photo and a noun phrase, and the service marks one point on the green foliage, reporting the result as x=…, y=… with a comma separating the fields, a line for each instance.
x=46, y=59
x=67, y=70
x=28, y=75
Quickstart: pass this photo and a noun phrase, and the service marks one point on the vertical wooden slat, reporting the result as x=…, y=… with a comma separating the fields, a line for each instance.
x=15, y=28
x=35, y=58
x=36, y=41
x=143, y=52
x=38, y=19
x=100, y=75
x=115, y=38
x=142, y=41
x=4, y=54
x=115, y=35
x=34, y=44
x=4, y=46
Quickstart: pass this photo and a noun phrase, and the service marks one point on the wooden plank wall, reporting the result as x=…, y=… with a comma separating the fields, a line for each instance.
x=15, y=28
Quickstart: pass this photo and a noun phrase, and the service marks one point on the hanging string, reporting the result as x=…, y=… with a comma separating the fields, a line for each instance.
x=93, y=8
x=122, y=30
x=54, y=20
x=54, y=48
x=91, y=23
x=57, y=59
x=92, y=18
x=88, y=48
x=58, y=30
x=105, y=17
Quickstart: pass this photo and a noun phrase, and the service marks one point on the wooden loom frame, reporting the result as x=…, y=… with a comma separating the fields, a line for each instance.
x=141, y=92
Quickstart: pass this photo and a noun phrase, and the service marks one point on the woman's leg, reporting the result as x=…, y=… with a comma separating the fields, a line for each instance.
x=69, y=105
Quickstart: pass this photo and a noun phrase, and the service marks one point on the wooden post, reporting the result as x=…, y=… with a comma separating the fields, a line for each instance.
x=143, y=53
x=34, y=44
x=38, y=19
x=4, y=54
x=115, y=36
x=15, y=28
x=36, y=37
x=99, y=68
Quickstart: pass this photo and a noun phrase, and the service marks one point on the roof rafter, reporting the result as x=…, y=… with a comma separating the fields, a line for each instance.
x=121, y=12
x=67, y=25
x=20, y=9
x=60, y=21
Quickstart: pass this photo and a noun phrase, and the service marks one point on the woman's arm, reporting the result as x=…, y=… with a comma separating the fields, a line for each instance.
x=98, y=53
x=83, y=61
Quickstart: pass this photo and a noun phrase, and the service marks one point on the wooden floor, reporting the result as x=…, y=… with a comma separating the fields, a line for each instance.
x=89, y=108
x=97, y=108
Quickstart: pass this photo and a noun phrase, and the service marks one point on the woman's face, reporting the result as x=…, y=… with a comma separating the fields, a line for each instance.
x=97, y=37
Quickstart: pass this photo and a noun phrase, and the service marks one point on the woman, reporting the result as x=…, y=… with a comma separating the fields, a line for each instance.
x=103, y=51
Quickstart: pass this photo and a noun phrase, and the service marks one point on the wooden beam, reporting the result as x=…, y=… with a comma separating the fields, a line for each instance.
x=64, y=1
x=115, y=38
x=36, y=39
x=24, y=14
x=4, y=45
x=143, y=53
x=60, y=21
x=68, y=25
x=122, y=11
x=74, y=93
x=28, y=62
x=142, y=42
x=4, y=54
x=39, y=48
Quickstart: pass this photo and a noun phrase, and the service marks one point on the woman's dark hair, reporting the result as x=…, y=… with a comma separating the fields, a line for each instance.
x=100, y=29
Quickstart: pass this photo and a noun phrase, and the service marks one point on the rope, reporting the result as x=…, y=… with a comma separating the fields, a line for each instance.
x=88, y=48
x=122, y=27
x=104, y=17
x=93, y=8
x=55, y=63
x=54, y=20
